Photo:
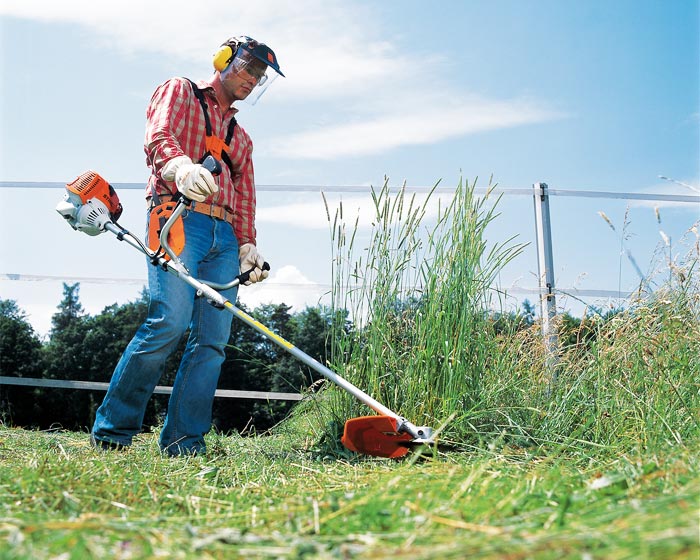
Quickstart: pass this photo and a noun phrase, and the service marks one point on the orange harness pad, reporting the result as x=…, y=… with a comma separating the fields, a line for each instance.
x=176, y=236
x=215, y=146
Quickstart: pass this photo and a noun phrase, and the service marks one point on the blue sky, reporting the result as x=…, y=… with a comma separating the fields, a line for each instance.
x=582, y=95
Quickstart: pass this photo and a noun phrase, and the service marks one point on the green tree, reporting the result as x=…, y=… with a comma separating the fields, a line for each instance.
x=20, y=347
x=108, y=334
x=20, y=356
x=255, y=363
x=246, y=368
x=84, y=348
x=64, y=352
x=70, y=309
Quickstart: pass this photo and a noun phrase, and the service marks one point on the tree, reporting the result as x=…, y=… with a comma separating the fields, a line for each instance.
x=249, y=357
x=108, y=334
x=19, y=345
x=20, y=356
x=255, y=363
x=64, y=352
x=69, y=310
x=84, y=348
x=528, y=313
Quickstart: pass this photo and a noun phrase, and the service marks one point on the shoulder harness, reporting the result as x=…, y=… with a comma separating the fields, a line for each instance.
x=216, y=147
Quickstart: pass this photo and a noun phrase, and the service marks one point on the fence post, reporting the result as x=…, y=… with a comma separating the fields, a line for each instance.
x=545, y=266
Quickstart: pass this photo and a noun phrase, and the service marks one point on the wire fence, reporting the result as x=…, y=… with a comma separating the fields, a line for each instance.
x=365, y=190
x=348, y=189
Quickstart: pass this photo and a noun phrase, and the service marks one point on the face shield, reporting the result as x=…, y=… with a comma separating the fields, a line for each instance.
x=251, y=67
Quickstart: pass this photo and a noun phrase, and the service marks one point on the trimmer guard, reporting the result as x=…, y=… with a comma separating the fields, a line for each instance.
x=376, y=435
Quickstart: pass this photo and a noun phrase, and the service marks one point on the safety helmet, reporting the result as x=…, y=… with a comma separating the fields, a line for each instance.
x=244, y=54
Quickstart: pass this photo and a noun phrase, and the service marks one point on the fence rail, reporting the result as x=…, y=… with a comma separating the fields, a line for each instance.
x=160, y=389
x=519, y=290
x=357, y=189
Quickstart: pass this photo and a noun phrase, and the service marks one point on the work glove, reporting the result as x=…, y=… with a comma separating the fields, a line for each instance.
x=250, y=259
x=191, y=179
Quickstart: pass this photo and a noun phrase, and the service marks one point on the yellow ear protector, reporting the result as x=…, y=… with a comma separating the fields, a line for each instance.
x=223, y=57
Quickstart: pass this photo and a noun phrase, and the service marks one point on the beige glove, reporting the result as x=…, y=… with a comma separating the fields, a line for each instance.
x=192, y=180
x=250, y=259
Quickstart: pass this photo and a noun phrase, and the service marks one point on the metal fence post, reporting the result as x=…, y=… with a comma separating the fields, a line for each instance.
x=545, y=266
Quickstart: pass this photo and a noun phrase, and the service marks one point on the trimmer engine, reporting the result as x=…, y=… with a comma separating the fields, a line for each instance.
x=90, y=203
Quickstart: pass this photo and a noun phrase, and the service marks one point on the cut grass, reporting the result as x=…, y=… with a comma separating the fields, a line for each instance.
x=265, y=497
x=603, y=464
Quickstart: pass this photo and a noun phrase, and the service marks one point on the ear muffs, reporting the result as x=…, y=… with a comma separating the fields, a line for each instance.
x=222, y=58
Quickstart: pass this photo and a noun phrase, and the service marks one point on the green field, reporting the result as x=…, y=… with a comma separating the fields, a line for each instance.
x=592, y=453
x=264, y=497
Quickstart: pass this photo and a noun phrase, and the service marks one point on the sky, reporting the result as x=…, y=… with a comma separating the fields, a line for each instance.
x=584, y=96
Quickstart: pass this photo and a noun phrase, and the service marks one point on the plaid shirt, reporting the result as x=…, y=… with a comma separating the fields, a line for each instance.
x=175, y=126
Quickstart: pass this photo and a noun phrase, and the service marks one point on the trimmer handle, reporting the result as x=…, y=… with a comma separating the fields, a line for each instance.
x=211, y=164
x=245, y=276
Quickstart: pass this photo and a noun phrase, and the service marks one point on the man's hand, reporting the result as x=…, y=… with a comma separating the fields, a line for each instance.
x=252, y=261
x=192, y=180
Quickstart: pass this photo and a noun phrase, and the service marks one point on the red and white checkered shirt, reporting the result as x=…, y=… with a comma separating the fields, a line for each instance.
x=176, y=126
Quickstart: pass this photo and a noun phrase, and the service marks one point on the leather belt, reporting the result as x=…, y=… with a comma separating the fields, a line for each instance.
x=212, y=210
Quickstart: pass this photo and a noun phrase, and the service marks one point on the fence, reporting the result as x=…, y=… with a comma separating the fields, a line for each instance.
x=546, y=291
x=159, y=390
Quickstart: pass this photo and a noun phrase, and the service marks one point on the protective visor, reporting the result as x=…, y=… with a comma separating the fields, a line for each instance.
x=250, y=67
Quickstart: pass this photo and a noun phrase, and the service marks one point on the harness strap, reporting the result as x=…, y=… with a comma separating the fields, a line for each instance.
x=215, y=145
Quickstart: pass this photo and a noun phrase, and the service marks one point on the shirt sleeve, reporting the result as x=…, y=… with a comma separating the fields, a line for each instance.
x=244, y=200
x=166, y=119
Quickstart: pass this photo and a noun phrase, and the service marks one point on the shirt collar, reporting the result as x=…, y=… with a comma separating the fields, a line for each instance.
x=208, y=89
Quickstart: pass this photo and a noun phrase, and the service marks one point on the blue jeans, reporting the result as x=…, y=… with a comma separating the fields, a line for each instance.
x=210, y=253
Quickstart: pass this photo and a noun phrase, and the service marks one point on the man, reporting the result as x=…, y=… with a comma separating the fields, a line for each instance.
x=185, y=124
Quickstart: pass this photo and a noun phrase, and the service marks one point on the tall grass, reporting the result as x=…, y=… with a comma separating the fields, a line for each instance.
x=640, y=382
x=420, y=295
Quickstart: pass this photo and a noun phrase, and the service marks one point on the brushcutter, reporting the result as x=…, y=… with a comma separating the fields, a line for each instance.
x=92, y=206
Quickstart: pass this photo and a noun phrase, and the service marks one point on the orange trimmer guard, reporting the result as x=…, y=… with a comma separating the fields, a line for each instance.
x=376, y=435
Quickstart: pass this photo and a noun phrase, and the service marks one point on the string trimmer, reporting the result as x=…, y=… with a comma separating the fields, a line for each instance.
x=92, y=206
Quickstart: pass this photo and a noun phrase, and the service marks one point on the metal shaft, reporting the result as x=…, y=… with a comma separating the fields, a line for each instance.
x=176, y=267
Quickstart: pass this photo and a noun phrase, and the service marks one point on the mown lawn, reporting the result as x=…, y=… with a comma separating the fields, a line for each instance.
x=267, y=497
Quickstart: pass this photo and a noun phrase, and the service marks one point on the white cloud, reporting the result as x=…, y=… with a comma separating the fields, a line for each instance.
x=673, y=187
x=317, y=41
x=306, y=215
x=286, y=285
x=313, y=215
x=329, y=49
x=390, y=130
x=357, y=211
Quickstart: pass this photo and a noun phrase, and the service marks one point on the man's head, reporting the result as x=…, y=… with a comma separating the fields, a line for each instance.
x=243, y=65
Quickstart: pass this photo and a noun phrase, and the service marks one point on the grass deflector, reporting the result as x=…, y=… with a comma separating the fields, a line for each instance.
x=91, y=205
